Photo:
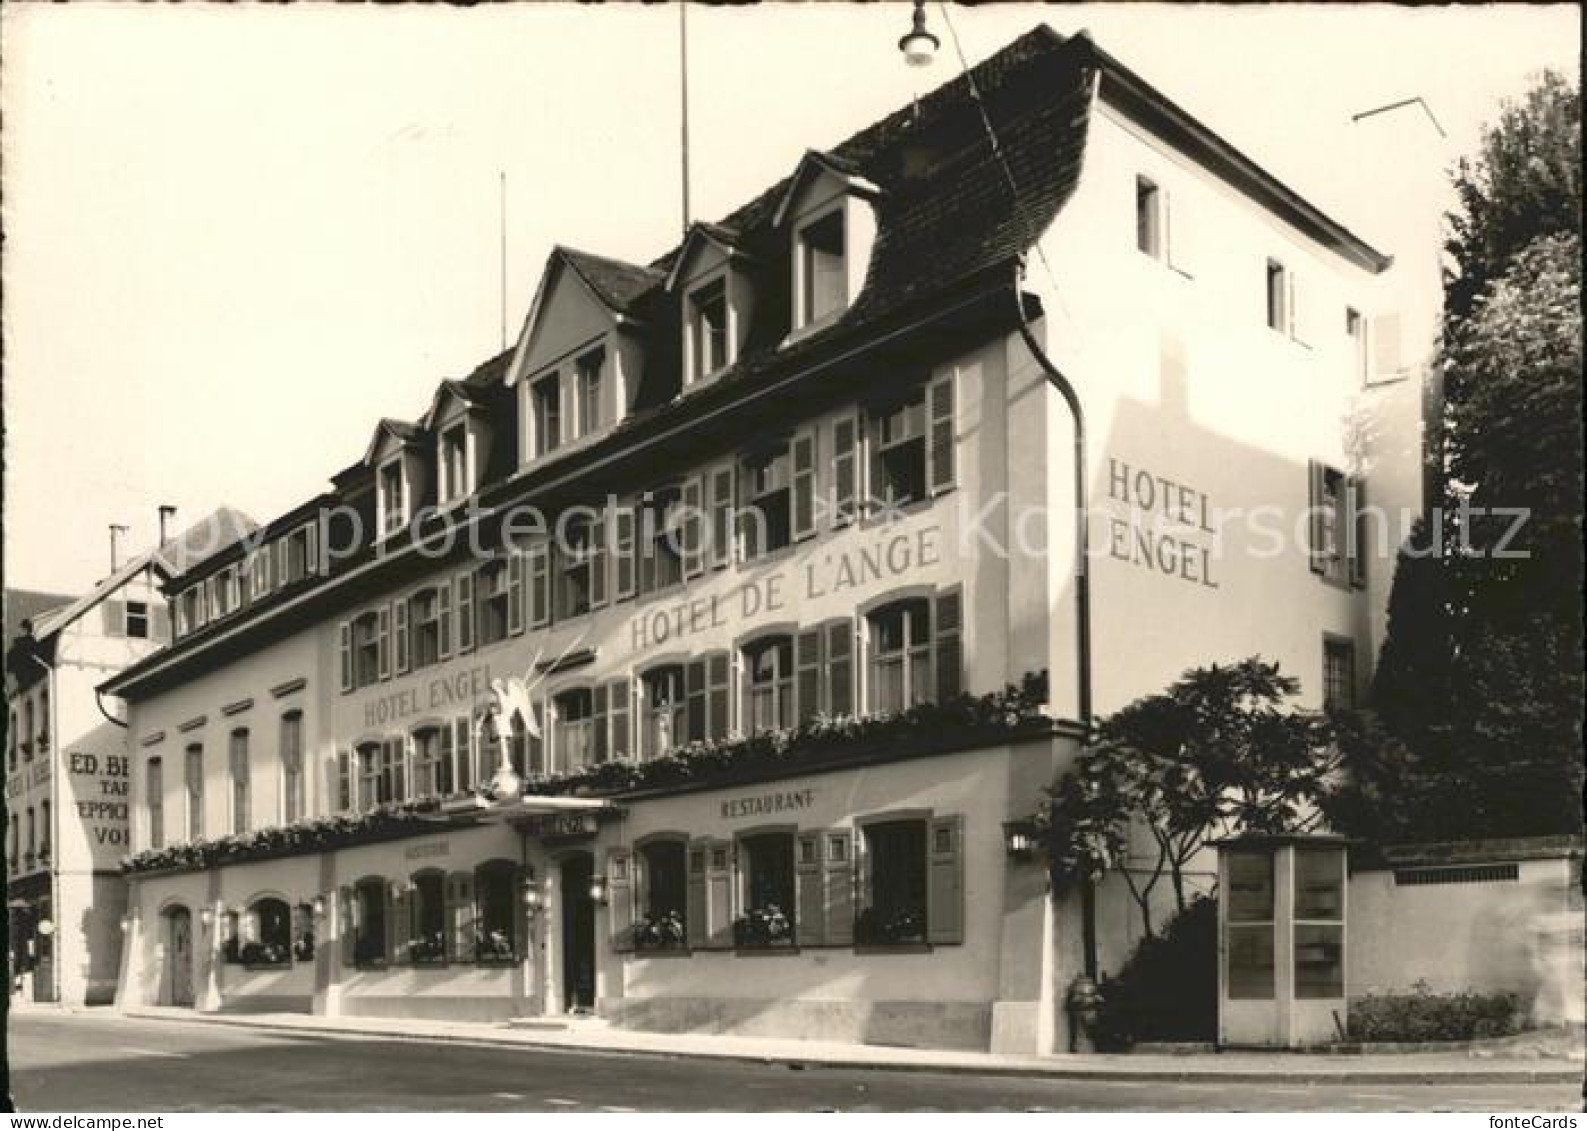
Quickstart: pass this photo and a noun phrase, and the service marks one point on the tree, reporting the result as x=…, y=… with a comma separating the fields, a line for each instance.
x=1219, y=752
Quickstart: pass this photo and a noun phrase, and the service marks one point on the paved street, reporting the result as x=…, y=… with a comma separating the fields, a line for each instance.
x=77, y=1063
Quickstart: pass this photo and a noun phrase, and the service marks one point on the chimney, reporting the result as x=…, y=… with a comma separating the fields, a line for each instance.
x=116, y=531
x=167, y=517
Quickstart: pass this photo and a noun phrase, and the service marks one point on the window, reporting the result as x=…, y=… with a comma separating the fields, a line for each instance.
x=576, y=556
x=297, y=553
x=1277, y=297
x=33, y=836
x=768, y=891
x=425, y=615
x=267, y=934
x=900, y=656
x=1148, y=218
x=494, y=606
x=1249, y=943
x=895, y=899
x=11, y=740
x=369, y=921
x=427, y=943
x=366, y=650
x=824, y=282
x=193, y=775
x=241, y=782
x=900, y=464
x=708, y=330
x=496, y=900
x=154, y=791
x=138, y=620
x=767, y=486
x=666, y=896
x=664, y=723
x=44, y=719
x=546, y=396
x=375, y=776
x=292, y=798
x=1319, y=923
x=770, y=669
x=187, y=618
x=587, y=384
x=1338, y=526
x=576, y=722
x=1356, y=332
x=27, y=730
x=1339, y=673
x=454, y=463
x=44, y=831
x=432, y=762
x=662, y=562
x=393, y=498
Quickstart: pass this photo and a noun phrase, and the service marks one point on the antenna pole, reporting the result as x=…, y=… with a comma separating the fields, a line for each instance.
x=683, y=83
x=503, y=234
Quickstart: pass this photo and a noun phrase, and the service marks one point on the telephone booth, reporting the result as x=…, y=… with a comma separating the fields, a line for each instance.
x=1282, y=974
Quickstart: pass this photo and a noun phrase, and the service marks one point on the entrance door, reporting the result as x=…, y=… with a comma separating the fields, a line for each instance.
x=179, y=955
x=578, y=934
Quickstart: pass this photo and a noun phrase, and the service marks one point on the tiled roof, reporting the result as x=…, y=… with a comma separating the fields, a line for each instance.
x=27, y=604
x=617, y=284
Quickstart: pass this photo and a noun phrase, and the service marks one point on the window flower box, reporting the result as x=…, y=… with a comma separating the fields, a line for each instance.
x=427, y=950
x=661, y=932
x=903, y=928
x=262, y=956
x=494, y=947
x=763, y=928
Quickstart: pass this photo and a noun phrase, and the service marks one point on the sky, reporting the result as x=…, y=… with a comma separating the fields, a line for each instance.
x=238, y=235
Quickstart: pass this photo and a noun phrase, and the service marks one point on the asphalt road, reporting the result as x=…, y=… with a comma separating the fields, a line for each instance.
x=99, y=1062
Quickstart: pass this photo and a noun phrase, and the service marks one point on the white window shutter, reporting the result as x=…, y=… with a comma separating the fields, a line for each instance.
x=941, y=437
x=1387, y=346
x=399, y=627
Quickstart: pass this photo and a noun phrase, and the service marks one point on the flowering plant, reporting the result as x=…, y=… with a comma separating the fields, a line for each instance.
x=877, y=928
x=763, y=926
x=664, y=931
x=493, y=946
x=427, y=948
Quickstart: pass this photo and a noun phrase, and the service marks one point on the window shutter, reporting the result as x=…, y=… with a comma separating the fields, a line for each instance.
x=160, y=624
x=693, y=522
x=618, y=704
x=347, y=925
x=515, y=593
x=460, y=916
x=694, y=689
x=599, y=561
x=204, y=588
x=344, y=632
x=463, y=751
x=698, y=933
x=940, y=438
x=599, y=722
x=311, y=549
x=465, y=612
x=399, y=625
x=1314, y=490
x=719, y=690
x=539, y=586
x=1297, y=316
x=623, y=551
x=810, y=891
x=845, y=469
x=837, y=897
x=722, y=516
x=446, y=772
x=803, y=502
x=620, y=899
x=399, y=920
x=840, y=667
x=719, y=893
x=1386, y=344
x=1356, y=531
x=338, y=794
x=443, y=609
x=383, y=640
x=949, y=642
x=807, y=662
x=115, y=618
x=283, y=562
x=945, y=880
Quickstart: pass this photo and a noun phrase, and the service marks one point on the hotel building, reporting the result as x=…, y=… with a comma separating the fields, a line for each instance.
x=806, y=631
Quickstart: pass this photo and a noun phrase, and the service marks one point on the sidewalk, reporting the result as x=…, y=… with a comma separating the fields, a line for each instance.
x=1230, y=1067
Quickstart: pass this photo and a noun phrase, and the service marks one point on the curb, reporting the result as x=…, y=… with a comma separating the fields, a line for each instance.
x=1057, y=1071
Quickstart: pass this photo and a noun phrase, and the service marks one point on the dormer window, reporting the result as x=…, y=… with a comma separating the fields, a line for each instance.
x=455, y=483
x=708, y=337
x=587, y=389
x=393, y=499
x=547, y=398
x=823, y=284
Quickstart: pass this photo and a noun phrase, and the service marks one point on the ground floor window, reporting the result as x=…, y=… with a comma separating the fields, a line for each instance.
x=663, y=919
x=895, y=907
x=768, y=891
x=369, y=923
x=496, y=909
x=427, y=943
x=266, y=934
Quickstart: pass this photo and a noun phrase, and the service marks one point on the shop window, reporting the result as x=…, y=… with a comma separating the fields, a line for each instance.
x=154, y=791
x=369, y=921
x=546, y=397
x=193, y=773
x=292, y=792
x=366, y=650
x=708, y=342
x=241, y=782
x=768, y=891
x=895, y=895
x=425, y=620
x=664, y=724
x=427, y=942
x=496, y=897
x=767, y=515
x=823, y=274
x=587, y=384
x=575, y=733
x=1249, y=943
x=493, y=602
x=664, y=902
x=303, y=932
x=267, y=934
x=770, y=673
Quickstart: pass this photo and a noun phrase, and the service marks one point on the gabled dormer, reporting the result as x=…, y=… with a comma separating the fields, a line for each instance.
x=463, y=436
x=715, y=298
x=397, y=457
x=577, y=364
x=829, y=217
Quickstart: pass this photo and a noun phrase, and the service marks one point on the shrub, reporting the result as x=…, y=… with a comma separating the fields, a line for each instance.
x=1168, y=990
x=1421, y=1015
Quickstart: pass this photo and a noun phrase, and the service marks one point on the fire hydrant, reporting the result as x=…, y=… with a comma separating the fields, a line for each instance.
x=1083, y=1003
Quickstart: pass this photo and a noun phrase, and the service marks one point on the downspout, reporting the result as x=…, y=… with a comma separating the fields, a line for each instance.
x=53, y=833
x=1071, y=398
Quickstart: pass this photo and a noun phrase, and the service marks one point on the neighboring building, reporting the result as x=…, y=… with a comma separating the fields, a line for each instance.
x=67, y=764
x=830, y=395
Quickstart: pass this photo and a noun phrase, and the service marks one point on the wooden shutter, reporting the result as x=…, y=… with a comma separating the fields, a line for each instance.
x=399, y=625
x=599, y=722
x=311, y=549
x=202, y=615
x=344, y=633
x=695, y=693
x=460, y=916
x=443, y=612
x=283, y=562
x=839, y=660
x=722, y=516
x=160, y=623
x=695, y=913
x=719, y=690
x=945, y=880
x=347, y=925
x=342, y=796
x=1355, y=519
x=837, y=892
x=465, y=612
x=618, y=703
x=463, y=751
x=719, y=893
x=620, y=899
x=399, y=920
x=623, y=551
x=940, y=438
x=693, y=523
x=515, y=593
x=948, y=641
x=809, y=891
x=383, y=641
x=845, y=469
x=1315, y=493
x=539, y=585
x=600, y=560
x=807, y=664
x=803, y=496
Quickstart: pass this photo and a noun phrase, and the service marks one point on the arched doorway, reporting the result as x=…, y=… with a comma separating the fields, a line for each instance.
x=179, y=954
x=578, y=933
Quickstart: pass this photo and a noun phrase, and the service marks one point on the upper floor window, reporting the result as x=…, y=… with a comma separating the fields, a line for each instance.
x=546, y=397
x=381, y=773
x=1338, y=526
x=188, y=610
x=493, y=602
x=771, y=683
x=576, y=556
x=366, y=650
x=900, y=464
x=425, y=611
x=393, y=499
x=193, y=781
x=1277, y=297
x=587, y=388
x=661, y=562
x=575, y=734
x=292, y=791
x=1356, y=332
x=154, y=794
x=916, y=655
x=823, y=290
x=768, y=487
x=708, y=337
x=44, y=830
x=27, y=730
x=432, y=761
x=44, y=719
x=664, y=724
x=1339, y=673
x=298, y=551
x=138, y=620
x=241, y=782
x=1148, y=217
x=454, y=463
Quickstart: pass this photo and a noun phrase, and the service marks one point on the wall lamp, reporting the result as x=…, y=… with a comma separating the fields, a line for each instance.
x=317, y=907
x=1021, y=838
x=206, y=916
x=598, y=890
x=533, y=898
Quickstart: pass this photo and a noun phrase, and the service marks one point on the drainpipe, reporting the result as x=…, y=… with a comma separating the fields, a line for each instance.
x=1071, y=398
x=56, y=769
